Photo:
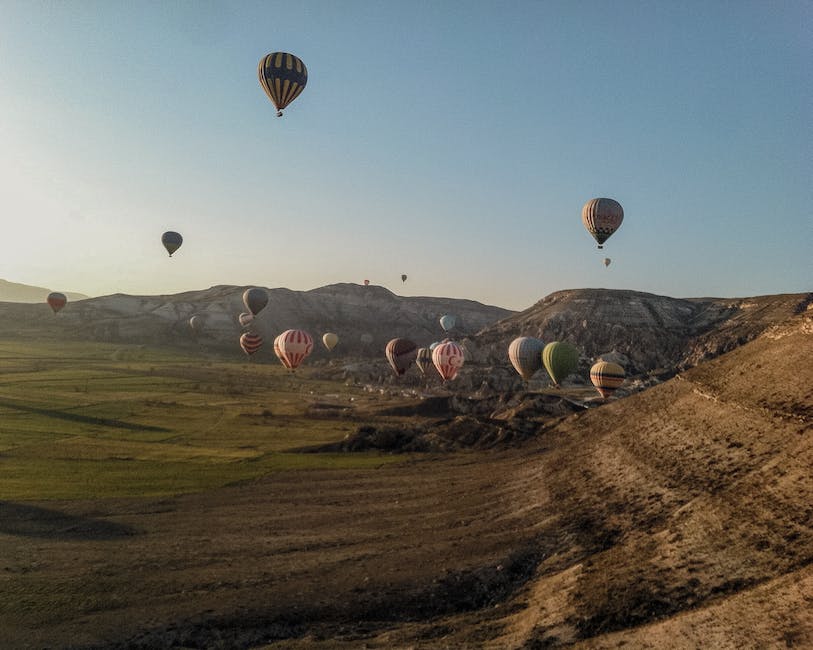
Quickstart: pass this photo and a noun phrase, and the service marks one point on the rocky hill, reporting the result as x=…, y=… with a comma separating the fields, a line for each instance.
x=16, y=292
x=364, y=318
x=650, y=333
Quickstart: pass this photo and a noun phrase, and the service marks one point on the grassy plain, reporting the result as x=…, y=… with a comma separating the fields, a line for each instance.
x=90, y=420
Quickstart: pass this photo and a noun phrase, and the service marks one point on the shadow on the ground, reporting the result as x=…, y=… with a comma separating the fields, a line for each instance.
x=33, y=521
x=75, y=417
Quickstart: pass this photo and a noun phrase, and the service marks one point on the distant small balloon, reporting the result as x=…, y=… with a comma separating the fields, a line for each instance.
x=602, y=217
x=283, y=77
x=448, y=359
x=278, y=352
x=172, y=241
x=525, y=354
x=251, y=342
x=255, y=299
x=196, y=323
x=403, y=277
x=400, y=353
x=423, y=360
x=606, y=377
x=560, y=359
x=294, y=347
x=607, y=261
x=447, y=322
x=245, y=318
x=56, y=300
x=366, y=283
x=330, y=340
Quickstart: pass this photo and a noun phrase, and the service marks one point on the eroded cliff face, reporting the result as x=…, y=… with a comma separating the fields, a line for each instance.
x=648, y=333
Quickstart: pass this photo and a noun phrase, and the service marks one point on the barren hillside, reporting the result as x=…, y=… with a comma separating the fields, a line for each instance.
x=652, y=332
x=349, y=310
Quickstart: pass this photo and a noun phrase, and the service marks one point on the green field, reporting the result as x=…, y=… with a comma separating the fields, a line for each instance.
x=86, y=420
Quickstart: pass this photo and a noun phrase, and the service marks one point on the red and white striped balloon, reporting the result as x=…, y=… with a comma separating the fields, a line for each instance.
x=278, y=352
x=251, y=342
x=448, y=359
x=294, y=346
x=245, y=318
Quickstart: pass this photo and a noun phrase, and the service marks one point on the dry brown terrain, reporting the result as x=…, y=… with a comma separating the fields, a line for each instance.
x=679, y=517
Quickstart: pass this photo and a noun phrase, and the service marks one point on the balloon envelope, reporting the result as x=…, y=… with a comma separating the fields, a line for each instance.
x=400, y=353
x=560, y=359
x=602, y=217
x=245, y=318
x=294, y=347
x=255, y=299
x=251, y=342
x=330, y=340
x=423, y=359
x=56, y=300
x=366, y=283
x=283, y=77
x=278, y=352
x=448, y=359
x=403, y=277
x=606, y=377
x=447, y=322
x=172, y=241
x=525, y=354
x=607, y=261
x=196, y=323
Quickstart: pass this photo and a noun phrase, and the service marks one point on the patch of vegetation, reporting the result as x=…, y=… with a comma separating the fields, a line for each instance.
x=79, y=422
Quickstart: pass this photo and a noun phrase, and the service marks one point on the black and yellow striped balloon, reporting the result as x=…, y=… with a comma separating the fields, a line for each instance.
x=283, y=77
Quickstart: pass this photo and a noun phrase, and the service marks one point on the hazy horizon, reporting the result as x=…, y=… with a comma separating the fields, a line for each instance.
x=455, y=143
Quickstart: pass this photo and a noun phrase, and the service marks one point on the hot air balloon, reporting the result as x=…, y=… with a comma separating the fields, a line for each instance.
x=447, y=322
x=294, y=346
x=255, y=299
x=560, y=359
x=196, y=323
x=602, y=217
x=448, y=359
x=172, y=241
x=400, y=353
x=245, y=318
x=525, y=354
x=251, y=342
x=403, y=277
x=56, y=300
x=283, y=77
x=278, y=352
x=606, y=377
x=607, y=261
x=423, y=359
x=330, y=340
x=366, y=283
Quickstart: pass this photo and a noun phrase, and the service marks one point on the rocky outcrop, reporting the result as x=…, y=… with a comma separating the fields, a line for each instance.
x=651, y=334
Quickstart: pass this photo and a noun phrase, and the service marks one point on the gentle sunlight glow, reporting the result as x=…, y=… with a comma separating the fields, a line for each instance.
x=454, y=142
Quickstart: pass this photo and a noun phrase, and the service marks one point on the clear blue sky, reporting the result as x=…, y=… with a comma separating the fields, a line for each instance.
x=452, y=141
